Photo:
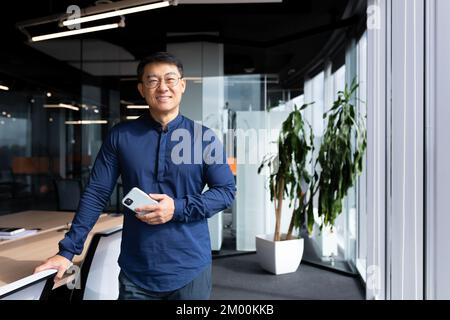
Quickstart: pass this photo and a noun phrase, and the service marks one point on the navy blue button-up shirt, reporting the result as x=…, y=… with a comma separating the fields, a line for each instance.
x=178, y=161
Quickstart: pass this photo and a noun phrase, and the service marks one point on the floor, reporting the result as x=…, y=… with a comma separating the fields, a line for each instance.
x=238, y=276
x=241, y=278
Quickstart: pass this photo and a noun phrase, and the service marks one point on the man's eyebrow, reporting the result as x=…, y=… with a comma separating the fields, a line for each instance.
x=156, y=76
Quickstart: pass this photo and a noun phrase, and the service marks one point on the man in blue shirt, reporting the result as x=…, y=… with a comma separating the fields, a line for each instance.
x=165, y=250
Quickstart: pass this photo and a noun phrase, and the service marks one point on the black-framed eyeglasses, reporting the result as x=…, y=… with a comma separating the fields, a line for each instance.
x=153, y=82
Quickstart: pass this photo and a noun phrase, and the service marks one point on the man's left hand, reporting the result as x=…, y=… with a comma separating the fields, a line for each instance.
x=158, y=213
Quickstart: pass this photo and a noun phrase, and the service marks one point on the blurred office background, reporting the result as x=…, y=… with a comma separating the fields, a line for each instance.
x=247, y=65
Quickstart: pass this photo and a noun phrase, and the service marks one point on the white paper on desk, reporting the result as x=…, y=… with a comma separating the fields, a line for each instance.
x=22, y=234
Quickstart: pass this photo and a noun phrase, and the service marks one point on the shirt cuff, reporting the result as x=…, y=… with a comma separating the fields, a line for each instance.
x=178, y=214
x=66, y=254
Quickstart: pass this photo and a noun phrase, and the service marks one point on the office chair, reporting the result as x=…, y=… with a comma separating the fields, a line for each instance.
x=10, y=187
x=100, y=270
x=34, y=287
x=68, y=193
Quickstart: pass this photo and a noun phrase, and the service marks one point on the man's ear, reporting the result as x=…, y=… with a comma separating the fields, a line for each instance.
x=141, y=89
x=183, y=85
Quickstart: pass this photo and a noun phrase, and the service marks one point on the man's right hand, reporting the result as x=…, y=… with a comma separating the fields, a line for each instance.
x=56, y=262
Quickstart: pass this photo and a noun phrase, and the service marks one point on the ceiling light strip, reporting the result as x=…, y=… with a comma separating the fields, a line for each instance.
x=62, y=105
x=116, y=13
x=74, y=32
x=137, y=106
x=87, y=122
x=4, y=88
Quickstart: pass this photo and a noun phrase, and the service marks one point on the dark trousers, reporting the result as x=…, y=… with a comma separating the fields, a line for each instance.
x=197, y=289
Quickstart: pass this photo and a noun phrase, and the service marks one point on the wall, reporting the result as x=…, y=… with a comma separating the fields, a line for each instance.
x=438, y=151
x=408, y=157
x=395, y=150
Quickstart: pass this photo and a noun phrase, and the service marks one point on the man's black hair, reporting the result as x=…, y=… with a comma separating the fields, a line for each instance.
x=159, y=57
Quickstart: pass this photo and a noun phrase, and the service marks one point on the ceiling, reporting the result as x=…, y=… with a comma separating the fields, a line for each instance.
x=272, y=38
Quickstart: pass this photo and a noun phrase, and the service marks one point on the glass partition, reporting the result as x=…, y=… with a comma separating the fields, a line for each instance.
x=345, y=248
x=361, y=186
x=54, y=131
x=251, y=117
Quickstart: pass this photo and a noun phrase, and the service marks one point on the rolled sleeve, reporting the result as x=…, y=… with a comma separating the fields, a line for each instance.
x=66, y=254
x=180, y=204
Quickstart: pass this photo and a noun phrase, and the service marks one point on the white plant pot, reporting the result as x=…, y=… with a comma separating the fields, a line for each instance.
x=279, y=257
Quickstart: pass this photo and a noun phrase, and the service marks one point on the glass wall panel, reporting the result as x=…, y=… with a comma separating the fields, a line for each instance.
x=252, y=134
x=345, y=248
x=15, y=143
x=54, y=131
x=361, y=244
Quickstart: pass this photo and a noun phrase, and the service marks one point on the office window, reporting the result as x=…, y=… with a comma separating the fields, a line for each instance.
x=15, y=138
x=343, y=221
x=339, y=251
x=361, y=205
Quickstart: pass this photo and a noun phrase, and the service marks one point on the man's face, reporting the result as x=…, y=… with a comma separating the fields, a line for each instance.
x=166, y=96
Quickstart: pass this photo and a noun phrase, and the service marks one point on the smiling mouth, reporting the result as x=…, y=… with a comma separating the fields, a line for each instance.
x=165, y=98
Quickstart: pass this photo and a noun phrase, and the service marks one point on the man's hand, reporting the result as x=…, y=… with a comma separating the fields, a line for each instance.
x=157, y=213
x=56, y=262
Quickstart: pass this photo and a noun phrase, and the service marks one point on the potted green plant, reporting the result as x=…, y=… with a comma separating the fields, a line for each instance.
x=339, y=158
x=289, y=177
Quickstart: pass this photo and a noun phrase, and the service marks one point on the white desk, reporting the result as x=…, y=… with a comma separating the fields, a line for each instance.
x=19, y=257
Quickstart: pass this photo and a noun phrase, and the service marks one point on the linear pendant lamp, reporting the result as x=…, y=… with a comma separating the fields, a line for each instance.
x=62, y=105
x=73, y=32
x=133, y=106
x=116, y=13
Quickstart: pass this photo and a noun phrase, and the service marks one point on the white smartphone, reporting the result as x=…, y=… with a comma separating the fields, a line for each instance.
x=137, y=198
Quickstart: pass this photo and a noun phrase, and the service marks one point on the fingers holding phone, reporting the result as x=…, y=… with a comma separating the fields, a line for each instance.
x=158, y=214
x=143, y=210
x=152, y=208
x=137, y=198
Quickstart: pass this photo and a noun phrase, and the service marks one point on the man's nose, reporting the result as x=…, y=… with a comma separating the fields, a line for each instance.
x=163, y=86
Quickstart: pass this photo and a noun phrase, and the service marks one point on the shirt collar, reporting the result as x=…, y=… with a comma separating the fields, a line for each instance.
x=158, y=126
